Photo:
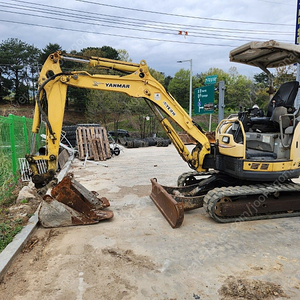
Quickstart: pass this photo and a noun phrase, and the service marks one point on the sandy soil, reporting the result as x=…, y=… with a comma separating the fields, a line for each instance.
x=137, y=255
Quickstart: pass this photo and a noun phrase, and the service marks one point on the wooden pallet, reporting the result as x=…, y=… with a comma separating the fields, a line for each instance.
x=93, y=143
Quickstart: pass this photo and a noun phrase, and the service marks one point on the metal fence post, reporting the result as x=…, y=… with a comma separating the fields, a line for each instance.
x=12, y=144
x=25, y=134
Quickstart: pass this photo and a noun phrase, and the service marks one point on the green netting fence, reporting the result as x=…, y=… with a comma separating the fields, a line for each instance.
x=15, y=141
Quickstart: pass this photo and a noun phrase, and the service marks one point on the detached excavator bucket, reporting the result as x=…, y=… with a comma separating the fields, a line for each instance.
x=71, y=203
x=173, y=201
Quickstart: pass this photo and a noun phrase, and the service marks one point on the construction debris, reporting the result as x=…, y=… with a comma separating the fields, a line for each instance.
x=71, y=203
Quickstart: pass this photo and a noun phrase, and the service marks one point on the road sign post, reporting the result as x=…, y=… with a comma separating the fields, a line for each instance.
x=221, y=101
x=211, y=79
x=204, y=100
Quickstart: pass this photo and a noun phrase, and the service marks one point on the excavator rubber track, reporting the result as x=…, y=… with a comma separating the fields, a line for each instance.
x=253, y=202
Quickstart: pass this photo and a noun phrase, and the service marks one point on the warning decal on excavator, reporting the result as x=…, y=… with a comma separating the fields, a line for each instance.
x=157, y=96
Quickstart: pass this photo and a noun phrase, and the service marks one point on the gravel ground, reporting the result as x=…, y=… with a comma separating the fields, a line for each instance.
x=137, y=255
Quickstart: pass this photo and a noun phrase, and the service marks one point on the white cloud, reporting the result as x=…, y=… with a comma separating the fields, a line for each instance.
x=152, y=46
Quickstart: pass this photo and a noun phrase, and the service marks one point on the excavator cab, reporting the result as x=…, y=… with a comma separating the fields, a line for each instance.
x=282, y=103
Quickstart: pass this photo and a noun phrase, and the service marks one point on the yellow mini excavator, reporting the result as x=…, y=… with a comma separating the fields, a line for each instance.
x=244, y=173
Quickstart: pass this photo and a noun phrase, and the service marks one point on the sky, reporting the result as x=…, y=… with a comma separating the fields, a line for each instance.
x=159, y=32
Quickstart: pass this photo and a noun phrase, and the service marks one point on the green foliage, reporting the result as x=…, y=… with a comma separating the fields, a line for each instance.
x=103, y=107
x=158, y=76
x=124, y=55
x=238, y=92
x=7, y=183
x=262, y=79
x=8, y=230
x=109, y=52
x=19, y=65
x=167, y=82
x=284, y=74
x=179, y=87
x=49, y=49
x=104, y=51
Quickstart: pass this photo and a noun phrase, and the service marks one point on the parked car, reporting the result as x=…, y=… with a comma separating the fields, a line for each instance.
x=119, y=132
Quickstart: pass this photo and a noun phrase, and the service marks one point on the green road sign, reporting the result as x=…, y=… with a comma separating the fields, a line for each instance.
x=204, y=100
x=212, y=79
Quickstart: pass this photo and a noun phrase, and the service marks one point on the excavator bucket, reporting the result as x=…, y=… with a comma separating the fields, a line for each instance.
x=71, y=203
x=172, y=202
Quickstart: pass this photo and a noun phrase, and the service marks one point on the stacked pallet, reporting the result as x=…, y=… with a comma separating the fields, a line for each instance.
x=92, y=143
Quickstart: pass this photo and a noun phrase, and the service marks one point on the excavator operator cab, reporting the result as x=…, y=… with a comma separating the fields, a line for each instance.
x=281, y=104
x=252, y=133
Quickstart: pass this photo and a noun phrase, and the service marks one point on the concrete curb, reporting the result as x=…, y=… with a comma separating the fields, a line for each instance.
x=9, y=254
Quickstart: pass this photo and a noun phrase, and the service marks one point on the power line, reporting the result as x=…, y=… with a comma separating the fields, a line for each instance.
x=183, y=16
x=113, y=18
x=173, y=32
x=126, y=23
x=129, y=26
x=116, y=35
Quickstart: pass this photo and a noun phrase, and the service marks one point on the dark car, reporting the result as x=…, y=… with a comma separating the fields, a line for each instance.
x=119, y=132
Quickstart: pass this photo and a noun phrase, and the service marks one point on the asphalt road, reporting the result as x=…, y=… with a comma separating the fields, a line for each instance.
x=137, y=255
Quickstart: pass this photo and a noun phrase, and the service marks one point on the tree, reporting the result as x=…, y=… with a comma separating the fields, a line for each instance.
x=109, y=52
x=159, y=76
x=49, y=49
x=167, y=82
x=262, y=79
x=238, y=92
x=124, y=55
x=261, y=88
x=284, y=74
x=179, y=87
x=98, y=107
x=6, y=85
x=19, y=62
x=104, y=106
x=143, y=119
x=104, y=51
x=80, y=96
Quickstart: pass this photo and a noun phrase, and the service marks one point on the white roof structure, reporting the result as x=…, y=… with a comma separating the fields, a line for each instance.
x=270, y=54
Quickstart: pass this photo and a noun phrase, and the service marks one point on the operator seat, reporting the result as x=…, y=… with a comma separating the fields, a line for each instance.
x=283, y=102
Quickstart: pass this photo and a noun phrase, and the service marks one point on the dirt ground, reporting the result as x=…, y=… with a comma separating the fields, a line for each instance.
x=137, y=255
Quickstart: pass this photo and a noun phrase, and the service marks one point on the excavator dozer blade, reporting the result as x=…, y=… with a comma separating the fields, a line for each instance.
x=172, y=210
x=173, y=201
x=71, y=203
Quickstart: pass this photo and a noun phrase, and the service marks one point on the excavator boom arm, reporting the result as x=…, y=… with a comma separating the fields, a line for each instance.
x=137, y=82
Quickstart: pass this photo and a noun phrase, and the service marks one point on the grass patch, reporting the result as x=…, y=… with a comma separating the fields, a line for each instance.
x=8, y=229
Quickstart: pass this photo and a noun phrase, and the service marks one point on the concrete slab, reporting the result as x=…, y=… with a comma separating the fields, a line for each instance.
x=137, y=255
